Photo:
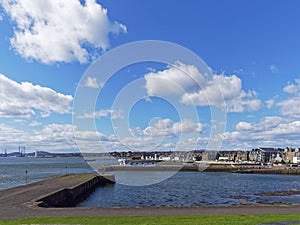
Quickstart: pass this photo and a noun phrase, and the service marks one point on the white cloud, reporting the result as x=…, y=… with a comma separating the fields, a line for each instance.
x=56, y=133
x=92, y=82
x=224, y=90
x=290, y=106
x=270, y=122
x=53, y=137
x=164, y=134
x=175, y=79
x=241, y=126
x=292, y=88
x=66, y=137
x=273, y=68
x=198, y=89
x=169, y=128
x=25, y=99
x=10, y=135
x=60, y=31
x=104, y=113
x=230, y=88
x=34, y=124
x=193, y=143
x=62, y=137
x=270, y=131
x=270, y=103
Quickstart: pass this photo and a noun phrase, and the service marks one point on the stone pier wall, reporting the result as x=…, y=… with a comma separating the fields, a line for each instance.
x=71, y=196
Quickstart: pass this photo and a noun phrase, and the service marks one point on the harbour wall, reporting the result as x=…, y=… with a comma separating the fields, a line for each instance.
x=213, y=167
x=71, y=196
x=282, y=171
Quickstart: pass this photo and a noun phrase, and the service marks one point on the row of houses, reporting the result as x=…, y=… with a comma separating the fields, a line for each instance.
x=264, y=155
x=261, y=155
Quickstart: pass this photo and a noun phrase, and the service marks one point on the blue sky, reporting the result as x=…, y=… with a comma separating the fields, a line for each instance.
x=251, y=47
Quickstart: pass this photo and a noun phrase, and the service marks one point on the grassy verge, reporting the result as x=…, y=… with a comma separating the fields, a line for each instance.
x=156, y=220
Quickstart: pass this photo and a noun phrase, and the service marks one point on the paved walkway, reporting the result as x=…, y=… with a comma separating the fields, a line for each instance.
x=18, y=203
x=25, y=212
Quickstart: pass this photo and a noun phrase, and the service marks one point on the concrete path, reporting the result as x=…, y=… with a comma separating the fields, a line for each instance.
x=18, y=203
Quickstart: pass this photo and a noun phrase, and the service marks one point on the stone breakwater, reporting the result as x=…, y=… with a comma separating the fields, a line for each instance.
x=60, y=191
x=69, y=196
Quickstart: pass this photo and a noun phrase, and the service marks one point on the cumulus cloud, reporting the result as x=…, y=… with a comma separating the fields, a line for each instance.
x=242, y=126
x=270, y=131
x=290, y=106
x=25, y=99
x=62, y=137
x=10, y=134
x=270, y=103
x=52, y=137
x=104, y=113
x=56, y=133
x=177, y=78
x=34, y=124
x=196, y=88
x=67, y=137
x=168, y=128
x=92, y=82
x=292, y=88
x=224, y=90
x=52, y=31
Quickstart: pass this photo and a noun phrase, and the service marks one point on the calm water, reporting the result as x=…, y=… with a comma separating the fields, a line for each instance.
x=12, y=170
x=197, y=189
x=183, y=189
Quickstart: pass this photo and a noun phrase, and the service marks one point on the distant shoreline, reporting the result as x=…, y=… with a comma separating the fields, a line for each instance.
x=213, y=167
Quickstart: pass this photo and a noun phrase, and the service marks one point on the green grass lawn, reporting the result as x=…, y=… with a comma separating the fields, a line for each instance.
x=157, y=220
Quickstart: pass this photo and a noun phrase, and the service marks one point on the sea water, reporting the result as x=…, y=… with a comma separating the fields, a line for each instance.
x=198, y=189
x=182, y=189
x=19, y=171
